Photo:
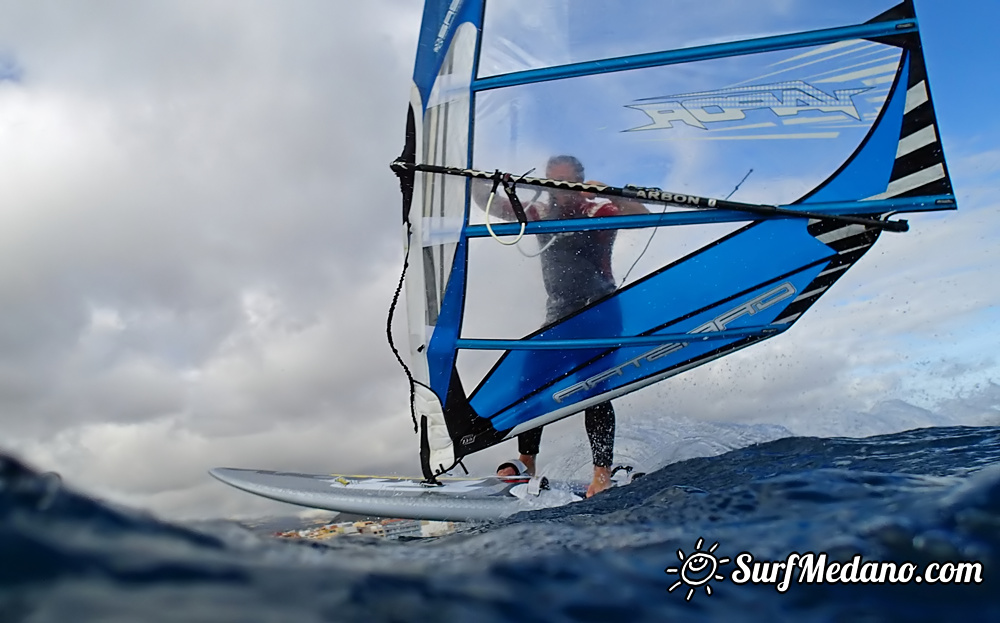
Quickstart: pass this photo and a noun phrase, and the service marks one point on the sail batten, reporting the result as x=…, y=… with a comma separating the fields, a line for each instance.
x=614, y=342
x=709, y=52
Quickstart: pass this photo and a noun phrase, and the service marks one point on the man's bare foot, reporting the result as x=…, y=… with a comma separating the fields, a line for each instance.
x=529, y=463
x=602, y=481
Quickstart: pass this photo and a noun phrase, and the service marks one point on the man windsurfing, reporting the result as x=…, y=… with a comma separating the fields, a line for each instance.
x=576, y=271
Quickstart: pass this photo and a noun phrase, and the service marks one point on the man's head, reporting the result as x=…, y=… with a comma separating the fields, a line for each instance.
x=565, y=168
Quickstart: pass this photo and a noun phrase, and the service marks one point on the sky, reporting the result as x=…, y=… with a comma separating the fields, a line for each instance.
x=200, y=238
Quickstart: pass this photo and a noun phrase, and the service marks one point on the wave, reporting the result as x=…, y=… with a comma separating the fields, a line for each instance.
x=919, y=496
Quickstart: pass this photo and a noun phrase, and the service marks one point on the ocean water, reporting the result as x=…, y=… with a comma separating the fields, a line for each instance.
x=923, y=496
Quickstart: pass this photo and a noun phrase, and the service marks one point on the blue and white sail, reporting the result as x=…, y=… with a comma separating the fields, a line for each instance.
x=828, y=104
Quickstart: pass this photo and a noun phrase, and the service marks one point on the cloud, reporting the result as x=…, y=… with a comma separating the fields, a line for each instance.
x=200, y=237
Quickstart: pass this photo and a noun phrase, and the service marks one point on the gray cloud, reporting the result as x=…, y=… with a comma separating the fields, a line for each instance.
x=200, y=236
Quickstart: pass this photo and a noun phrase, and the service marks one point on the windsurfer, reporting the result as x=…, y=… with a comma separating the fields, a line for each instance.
x=576, y=270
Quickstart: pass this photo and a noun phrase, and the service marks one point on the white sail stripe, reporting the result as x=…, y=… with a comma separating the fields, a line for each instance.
x=915, y=141
x=871, y=82
x=830, y=271
x=911, y=181
x=827, y=75
x=809, y=294
x=853, y=249
x=877, y=95
x=862, y=73
x=800, y=66
x=826, y=48
x=826, y=118
x=749, y=137
x=878, y=50
x=750, y=126
x=841, y=233
x=915, y=96
x=789, y=319
x=836, y=126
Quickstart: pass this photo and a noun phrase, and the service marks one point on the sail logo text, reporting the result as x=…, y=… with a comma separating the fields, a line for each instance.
x=719, y=323
x=641, y=192
x=784, y=99
x=449, y=17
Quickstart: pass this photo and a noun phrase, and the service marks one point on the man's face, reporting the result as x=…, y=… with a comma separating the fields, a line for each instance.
x=563, y=171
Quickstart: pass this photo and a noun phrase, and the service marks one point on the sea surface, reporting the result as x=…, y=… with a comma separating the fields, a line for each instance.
x=922, y=496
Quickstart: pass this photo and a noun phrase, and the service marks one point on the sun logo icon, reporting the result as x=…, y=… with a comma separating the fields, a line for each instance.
x=698, y=569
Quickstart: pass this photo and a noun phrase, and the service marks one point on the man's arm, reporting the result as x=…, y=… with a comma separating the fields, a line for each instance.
x=625, y=206
x=630, y=206
x=500, y=208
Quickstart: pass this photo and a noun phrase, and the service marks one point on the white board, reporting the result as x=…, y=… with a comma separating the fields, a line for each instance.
x=455, y=499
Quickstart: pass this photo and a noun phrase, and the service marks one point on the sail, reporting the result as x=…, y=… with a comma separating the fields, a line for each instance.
x=600, y=195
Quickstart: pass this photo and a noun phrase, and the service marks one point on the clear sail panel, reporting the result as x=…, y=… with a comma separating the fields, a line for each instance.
x=519, y=35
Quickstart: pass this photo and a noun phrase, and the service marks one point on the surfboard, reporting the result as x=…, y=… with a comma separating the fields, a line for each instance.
x=454, y=499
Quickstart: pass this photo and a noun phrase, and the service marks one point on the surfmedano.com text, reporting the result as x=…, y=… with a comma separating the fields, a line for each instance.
x=812, y=568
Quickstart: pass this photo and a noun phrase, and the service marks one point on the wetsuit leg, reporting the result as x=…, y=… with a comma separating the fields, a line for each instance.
x=600, y=423
x=528, y=442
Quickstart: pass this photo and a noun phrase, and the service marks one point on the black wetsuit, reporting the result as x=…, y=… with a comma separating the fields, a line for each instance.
x=576, y=270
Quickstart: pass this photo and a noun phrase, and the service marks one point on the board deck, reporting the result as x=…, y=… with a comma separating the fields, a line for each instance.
x=455, y=499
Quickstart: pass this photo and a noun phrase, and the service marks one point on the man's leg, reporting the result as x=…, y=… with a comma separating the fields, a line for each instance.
x=528, y=444
x=600, y=423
